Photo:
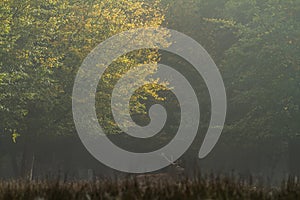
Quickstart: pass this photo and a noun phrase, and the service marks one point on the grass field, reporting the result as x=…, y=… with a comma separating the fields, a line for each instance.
x=147, y=188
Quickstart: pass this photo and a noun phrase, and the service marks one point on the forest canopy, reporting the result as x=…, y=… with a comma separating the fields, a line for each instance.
x=255, y=44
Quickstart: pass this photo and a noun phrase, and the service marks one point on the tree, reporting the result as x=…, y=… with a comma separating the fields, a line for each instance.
x=262, y=68
x=42, y=45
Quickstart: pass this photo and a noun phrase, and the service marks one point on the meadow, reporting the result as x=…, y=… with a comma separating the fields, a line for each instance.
x=148, y=188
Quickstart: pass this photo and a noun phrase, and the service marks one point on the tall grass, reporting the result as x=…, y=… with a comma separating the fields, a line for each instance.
x=148, y=188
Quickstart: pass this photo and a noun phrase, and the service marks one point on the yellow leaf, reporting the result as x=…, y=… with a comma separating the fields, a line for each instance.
x=14, y=136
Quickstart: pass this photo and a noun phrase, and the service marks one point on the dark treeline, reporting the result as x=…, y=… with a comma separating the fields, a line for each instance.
x=254, y=43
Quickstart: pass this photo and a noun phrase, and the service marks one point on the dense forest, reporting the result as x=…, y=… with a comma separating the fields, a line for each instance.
x=255, y=44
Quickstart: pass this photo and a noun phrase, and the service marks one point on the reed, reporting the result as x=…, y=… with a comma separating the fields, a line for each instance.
x=131, y=188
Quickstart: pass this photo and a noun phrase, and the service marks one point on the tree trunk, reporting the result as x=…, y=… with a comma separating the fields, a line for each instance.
x=14, y=163
x=27, y=162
